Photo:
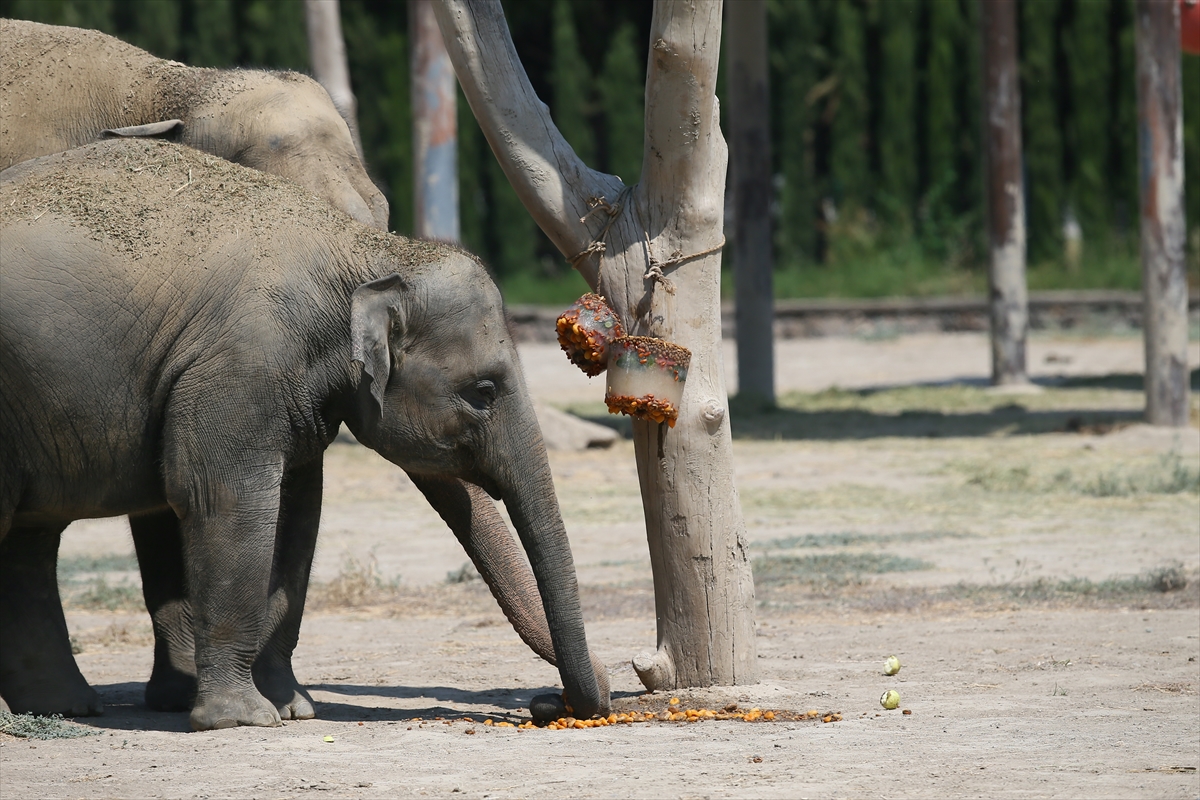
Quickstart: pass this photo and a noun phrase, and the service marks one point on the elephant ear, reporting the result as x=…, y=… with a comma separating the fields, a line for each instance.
x=168, y=128
x=376, y=310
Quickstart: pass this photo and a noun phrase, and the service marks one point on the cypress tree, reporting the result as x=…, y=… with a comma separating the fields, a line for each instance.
x=211, y=33
x=1123, y=174
x=514, y=247
x=1191, y=156
x=849, y=134
x=273, y=35
x=897, y=131
x=1040, y=129
x=94, y=14
x=472, y=202
x=379, y=73
x=1086, y=44
x=944, y=30
x=622, y=90
x=151, y=25
x=792, y=32
x=969, y=196
x=571, y=82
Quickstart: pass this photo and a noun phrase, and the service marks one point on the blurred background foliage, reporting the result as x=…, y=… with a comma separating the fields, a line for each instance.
x=876, y=112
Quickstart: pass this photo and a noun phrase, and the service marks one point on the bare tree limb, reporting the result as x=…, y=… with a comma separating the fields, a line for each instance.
x=552, y=182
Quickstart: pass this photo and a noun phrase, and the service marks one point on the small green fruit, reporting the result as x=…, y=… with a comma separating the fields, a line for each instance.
x=891, y=666
x=890, y=699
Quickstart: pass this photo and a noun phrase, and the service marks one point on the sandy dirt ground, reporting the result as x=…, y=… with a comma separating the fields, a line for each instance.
x=1017, y=576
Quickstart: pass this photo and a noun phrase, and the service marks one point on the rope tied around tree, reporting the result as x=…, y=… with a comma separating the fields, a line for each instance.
x=654, y=271
x=613, y=210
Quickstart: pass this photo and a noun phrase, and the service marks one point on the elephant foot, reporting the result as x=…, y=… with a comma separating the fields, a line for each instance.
x=44, y=694
x=278, y=684
x=230, y=709
x=170, y=690
x=299, y=707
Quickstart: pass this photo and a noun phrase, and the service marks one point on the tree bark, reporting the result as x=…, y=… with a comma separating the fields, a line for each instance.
x=1163, y=228
x=327, y=52
x=1006, y=206
x=435, y=128
x=751, y=149
x=704, y=593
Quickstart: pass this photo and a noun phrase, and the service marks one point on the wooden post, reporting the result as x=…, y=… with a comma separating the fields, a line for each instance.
x=1163, y=228
x=435, y=128
x=751, y=151
x=1005, y=193
x=327, y=53
x=703, y=587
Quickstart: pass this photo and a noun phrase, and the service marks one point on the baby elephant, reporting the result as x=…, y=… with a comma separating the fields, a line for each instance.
x=180, y=338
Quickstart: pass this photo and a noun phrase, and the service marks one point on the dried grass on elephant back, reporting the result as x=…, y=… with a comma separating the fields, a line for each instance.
x=205, y=192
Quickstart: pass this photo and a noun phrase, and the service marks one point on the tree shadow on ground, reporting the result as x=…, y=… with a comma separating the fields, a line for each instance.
x=969, y=410
x=959, y=408
x=855, y=424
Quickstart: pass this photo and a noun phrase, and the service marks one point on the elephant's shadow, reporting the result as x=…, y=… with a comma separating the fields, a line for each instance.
x=125, y=709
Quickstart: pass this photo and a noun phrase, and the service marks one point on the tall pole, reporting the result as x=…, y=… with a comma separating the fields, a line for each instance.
x=750, y=148
x=435, y=128
x=1008, y=297
x=327, y=54
x=1163, y=228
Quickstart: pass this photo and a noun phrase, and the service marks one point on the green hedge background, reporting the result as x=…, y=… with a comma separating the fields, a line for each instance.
x=876, y=113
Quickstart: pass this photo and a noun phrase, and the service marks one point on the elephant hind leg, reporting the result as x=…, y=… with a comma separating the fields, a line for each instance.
x=38, y=673
x=159, y=546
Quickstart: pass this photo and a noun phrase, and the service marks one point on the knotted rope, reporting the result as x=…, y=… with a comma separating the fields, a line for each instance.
x=654, y=271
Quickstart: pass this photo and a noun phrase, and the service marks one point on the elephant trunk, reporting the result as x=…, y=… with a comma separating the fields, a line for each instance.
x=485, y=537
x=527, y=488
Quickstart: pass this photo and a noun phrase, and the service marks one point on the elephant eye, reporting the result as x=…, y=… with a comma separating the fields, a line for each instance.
x=481, y=394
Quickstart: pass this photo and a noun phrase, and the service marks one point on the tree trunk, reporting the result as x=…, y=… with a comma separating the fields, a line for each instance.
x=327, y=52
x=654, y=251
x=752, y=199
x=1006, y=207
x=435, y=128
x=1163, y=229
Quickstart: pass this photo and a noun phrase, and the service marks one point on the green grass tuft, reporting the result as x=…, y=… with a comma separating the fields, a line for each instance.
x=30, y=726
x=1169, y=474
x=852, y=538
x=69, y=566
x=98, y=594
x=837, y=569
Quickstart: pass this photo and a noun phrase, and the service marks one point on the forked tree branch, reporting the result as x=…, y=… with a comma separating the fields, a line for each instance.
x=553, y=183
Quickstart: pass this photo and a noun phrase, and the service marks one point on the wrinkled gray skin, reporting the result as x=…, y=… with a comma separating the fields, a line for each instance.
x=197, y=390
x=63, y=87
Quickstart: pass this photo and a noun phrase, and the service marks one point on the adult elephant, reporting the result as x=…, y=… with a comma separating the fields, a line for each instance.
x=63, y=87
x=144, y=374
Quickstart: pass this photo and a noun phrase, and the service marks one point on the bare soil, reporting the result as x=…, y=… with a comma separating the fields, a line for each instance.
x=1033, y=560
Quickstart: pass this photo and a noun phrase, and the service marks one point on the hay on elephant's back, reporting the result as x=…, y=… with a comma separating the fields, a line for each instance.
x=149, y=198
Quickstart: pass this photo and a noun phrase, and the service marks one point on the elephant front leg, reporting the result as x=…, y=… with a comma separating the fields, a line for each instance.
x=38, y=673
x=228, y=526
x=159, y=545
x=295, y=543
